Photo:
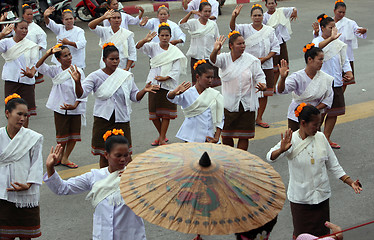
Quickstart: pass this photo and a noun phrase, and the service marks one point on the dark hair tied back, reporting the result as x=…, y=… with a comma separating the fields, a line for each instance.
x=108, y=50
x=12, y=104
x=58, y=54
x=307, y=113
x=114, y=139
x=203, y=4
x=323, y=20
x=164, y=28
x=312, y=52
x=203, y=68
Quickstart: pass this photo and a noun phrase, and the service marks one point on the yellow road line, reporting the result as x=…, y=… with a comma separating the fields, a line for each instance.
x=353, y=113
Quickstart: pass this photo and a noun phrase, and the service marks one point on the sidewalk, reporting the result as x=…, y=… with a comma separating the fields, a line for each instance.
x=152, y=6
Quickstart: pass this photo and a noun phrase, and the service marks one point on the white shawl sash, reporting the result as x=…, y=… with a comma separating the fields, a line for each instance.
x=106, y=188
x=334, y=48
x=278, y=18
x=203, y=31
x=28, y=48
x=318, y=88
x=348, y=31
x=120, y=38
x=235, y=70
x=24, y=140
x=317, y=140
x=165, y=60
x=62, y=77
x=260, y=36
x=211, y=99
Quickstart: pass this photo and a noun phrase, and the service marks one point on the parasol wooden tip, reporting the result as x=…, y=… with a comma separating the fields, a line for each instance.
x=205, y=160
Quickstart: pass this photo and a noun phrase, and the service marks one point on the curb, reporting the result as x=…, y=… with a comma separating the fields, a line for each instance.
x=153, y=7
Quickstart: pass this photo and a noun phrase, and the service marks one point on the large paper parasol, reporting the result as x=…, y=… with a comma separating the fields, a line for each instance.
x=228, y=191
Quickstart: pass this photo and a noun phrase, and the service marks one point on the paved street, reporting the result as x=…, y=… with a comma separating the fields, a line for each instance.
x=70, y=217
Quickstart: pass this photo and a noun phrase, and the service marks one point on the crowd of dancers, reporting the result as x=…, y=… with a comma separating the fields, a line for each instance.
x=248, y=74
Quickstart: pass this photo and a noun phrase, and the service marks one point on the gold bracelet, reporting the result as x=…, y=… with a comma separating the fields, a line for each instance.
x=345, y=178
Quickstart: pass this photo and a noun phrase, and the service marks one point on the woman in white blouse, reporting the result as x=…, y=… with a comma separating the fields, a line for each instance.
x=349, y=30
x=261, y=42
x=68, y=35
x=309, y=158
x=35, y=34
x=204, y=33
x=122, y=38
x=163, y=14
x=63, y=101
x=21, y=172
x=126, y=18
x=20, y=55
x=114, y=90
x=112, y=219
x=310, y=85
x=167, y=63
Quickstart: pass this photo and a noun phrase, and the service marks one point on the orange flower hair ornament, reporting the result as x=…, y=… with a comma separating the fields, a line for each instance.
x=25, y=5
x=232, y=33
x=198, y=63
x=339, y=1
x=204, y=1
x=10, y=97
x=257, y=5
x=108, y=44
x=321, y=18
x=57, y=45
x=113, y=132
x=299, y=109
x=308, y=47
x=164, y=24
x=67, y=10
x=162, y=6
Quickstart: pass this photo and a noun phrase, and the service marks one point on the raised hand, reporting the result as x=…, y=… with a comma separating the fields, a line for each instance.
x=53, y=157
x=151, y=88
x=219, y=42
x=140, y=8
x=4, y=16
x=315, y=26
x=64, y=41
x=28, y=72
x=182, y=88
x=74, y=73
x=334, y=33
x=293, y=16
x=49, y=11
x=361, y=31
x=108, y=14
x=237, y=10
x=7, y=29
x=150, y=36
x=286, y=140
x=283, y=69
x=144, y=21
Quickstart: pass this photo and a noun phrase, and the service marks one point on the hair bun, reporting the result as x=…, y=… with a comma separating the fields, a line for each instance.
x=320, y=19
x=10, y=97
x=308, y=47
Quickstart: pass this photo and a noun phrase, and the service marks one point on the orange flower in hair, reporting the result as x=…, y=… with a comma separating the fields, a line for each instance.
x=308, y=47
x=198, y=63
x=321, y=18
x=257, y=5
x=113, y=132
x=232, y=33
x=204, y=1
x=162, y=6
x=25, y=5
x=10, y=97
x=67, y=10
x=57, y=45
x=108, y=44
x=339, y=1
x=299, y=109
x=164, y=24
